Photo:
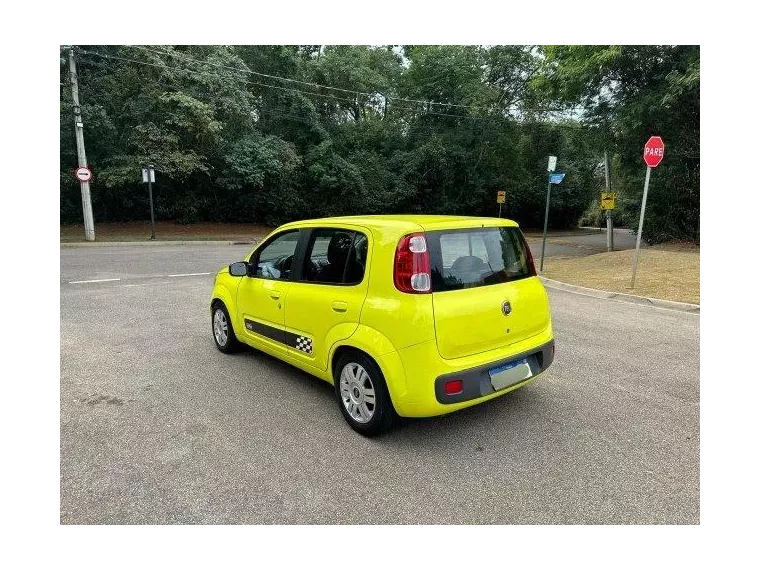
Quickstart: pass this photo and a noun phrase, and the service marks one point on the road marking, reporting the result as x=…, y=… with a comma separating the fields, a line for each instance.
x=149, y=284
x=96, y=280
x=144, y=277
x=621, y=301
x=188, y=274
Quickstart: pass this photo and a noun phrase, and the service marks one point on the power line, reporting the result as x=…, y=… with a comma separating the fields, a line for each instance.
x=409, y=130
x=353, y=92
x=197, y=72
x=332, y=97
x=180, y=55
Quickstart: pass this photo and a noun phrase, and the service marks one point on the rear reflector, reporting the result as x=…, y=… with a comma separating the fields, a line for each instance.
x=453, y=387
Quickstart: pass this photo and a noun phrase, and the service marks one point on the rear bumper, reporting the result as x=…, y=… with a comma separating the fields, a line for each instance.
x=426, y=372
x=476, y=382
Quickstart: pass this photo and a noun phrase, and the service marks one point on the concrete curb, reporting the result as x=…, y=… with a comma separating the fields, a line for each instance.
x=673, y=305
x=155, y=243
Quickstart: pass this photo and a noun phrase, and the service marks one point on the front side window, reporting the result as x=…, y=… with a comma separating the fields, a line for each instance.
x=335, y=256
x=275, y=260
x=462, y=259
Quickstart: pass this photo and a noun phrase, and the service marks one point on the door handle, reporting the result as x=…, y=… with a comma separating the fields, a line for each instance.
x=339, y=306
x=274, y=295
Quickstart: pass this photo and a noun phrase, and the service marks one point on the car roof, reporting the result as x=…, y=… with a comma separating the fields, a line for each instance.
x=410, y=222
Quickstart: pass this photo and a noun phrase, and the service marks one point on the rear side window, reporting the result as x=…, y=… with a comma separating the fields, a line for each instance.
x=462, y=259
x=335, y=256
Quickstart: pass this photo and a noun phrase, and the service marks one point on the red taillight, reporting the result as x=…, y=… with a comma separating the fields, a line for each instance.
x=453, y=387
x=411, y=268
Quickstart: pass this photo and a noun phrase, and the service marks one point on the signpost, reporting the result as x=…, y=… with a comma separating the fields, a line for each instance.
x=83, y=174
x=501, y=197
x=654, y=151
x=149, y=177
x=609, y=207
x=550, y=168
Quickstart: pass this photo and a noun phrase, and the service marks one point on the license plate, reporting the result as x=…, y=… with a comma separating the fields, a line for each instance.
x=509, y=374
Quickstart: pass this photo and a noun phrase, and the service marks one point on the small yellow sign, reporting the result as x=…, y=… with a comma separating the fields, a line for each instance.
x=501, y=196
x=608, y=200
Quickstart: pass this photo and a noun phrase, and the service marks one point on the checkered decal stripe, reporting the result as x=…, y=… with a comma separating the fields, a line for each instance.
x=304, y=344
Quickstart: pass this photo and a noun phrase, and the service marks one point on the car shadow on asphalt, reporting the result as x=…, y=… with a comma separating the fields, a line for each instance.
x=491, y=416
x=283, y=368
x=510, y=412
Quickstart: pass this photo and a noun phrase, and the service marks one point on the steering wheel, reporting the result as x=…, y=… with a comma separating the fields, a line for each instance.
x=284, y=263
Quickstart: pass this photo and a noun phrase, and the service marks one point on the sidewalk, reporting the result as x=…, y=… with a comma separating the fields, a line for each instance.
x=165, y=232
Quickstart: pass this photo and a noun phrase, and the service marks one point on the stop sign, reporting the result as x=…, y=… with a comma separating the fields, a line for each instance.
x=654, y=150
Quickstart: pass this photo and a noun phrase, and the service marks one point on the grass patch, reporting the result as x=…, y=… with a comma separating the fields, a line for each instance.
x=670, y=271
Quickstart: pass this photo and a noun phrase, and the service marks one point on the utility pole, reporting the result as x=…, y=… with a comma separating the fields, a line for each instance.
x=89, y=225
x=608, y=213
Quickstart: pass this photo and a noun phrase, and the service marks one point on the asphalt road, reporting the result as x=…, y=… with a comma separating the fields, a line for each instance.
x=581, y=244
x=157, y=426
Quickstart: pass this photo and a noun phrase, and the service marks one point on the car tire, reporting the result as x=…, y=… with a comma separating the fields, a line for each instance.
x=221, y=329
x=362, y=394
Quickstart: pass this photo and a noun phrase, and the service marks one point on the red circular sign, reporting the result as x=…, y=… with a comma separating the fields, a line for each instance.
x=654, y=150
x=83, y=174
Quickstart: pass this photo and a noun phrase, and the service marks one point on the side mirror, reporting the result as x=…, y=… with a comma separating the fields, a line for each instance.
x=239, y=269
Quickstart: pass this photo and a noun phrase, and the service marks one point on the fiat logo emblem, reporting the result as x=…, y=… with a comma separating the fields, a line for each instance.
x=506, y=308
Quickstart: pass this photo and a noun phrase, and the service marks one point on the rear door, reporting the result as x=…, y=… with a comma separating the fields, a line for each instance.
x=485, y=292
x=324, y=305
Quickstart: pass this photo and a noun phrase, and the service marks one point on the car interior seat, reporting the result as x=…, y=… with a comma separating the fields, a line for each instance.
x=468, y=263
x=340, y=253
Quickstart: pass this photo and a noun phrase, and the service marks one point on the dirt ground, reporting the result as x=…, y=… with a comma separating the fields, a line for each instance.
x=668, y=271
x=167, y=231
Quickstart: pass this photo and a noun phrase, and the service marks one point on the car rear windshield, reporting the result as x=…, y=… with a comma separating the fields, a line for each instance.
x=461, y=259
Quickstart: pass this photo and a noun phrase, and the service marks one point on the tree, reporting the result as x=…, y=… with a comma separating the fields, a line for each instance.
x=274, y=133
x=631, y=93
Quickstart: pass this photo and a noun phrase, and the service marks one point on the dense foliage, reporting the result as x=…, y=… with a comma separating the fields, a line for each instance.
x=275, y=133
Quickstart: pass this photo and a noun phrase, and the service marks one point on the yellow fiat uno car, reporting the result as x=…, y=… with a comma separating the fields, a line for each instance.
x=408, y=315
